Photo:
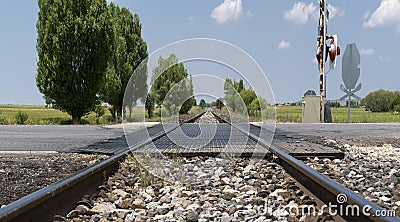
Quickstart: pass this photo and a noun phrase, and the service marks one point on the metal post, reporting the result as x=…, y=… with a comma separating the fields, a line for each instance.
x=348, y=107
x=322, y=51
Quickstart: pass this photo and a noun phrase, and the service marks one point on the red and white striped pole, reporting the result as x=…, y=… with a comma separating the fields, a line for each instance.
x=322, y=55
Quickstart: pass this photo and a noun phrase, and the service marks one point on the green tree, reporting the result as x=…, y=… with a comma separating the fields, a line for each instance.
x=248, y=96
x=239, y=86
x=219, y=104
x=165, y=76
x=255, y=108
x=230, y=94
x=128, y=51
x=73, y=49
x=188, y=92
x=232, y=90
x=378, y=101
x=149, y=105
x=395, y=103
x=202, y=103
x=100, y=111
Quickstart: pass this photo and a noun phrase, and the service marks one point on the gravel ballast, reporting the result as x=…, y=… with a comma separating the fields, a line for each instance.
x=371, y=170
x=246, y=191
x=22, y=174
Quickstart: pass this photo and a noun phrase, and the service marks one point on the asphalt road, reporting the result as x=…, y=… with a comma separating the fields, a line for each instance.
x=52, y=138
x=65, y=138
x=383, y=130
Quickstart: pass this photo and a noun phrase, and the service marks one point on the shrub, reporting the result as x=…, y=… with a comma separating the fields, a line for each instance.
x=99, y=110
x=21, y=117
x=378, y=101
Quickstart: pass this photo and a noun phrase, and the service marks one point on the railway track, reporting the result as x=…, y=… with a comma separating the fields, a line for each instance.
x=61, y=197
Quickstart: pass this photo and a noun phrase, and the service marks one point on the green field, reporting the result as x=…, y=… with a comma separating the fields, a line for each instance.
x=339, y=115
x=40, y=115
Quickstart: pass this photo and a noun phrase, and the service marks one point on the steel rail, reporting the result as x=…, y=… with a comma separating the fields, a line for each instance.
x=61, y=197
x=324, y=188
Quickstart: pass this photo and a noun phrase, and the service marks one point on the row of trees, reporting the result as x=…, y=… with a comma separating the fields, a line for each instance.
x=172, y=88
x=382, y=101
x=218, y=103
x=87, y=51
x=239, y=99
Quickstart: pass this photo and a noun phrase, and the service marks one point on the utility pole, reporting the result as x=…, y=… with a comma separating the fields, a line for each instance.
x=322, y=55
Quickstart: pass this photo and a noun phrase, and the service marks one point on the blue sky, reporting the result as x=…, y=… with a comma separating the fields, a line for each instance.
x=279, y=35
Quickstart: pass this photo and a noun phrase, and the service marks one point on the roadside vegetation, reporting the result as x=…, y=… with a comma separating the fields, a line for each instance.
x=40, y=115
x=339, y=115
x=382, y=101
x=87, y=51
x=90, y=53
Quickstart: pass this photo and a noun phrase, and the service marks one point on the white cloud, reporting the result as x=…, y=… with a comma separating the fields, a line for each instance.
x=334, y=11
x=385, y=58
x=386, y=14
x=367, y=52
x=249, y=14
x=283, y=45
x=228, y=10
x=300, y=12
x=191, y=18
x=366, y=14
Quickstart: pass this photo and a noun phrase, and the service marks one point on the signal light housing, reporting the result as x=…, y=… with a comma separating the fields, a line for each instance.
x=332, y=51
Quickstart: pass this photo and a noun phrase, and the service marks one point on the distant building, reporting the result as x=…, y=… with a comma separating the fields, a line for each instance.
x=344, y=102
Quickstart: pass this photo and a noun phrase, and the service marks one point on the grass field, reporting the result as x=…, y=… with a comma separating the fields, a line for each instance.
x=339, y=115
x=40, y=115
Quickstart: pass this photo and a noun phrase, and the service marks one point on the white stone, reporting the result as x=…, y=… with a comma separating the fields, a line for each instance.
x=163, y=217
x=165, y=189
x=103, y=208
x=186, y=193
x=259, y=219
x=202, y=175
x=247, y=169
x=326, y=160
x=234, y=179
x=251, y=192
x=331, y=141
x=351, y=174
x=292, y=204
x=139, y=203
x=280, y=213
x=384, y=198
x=230, y=191
x=277, y=192
x=165, y=199
x=130, y=217
x=226, y=180
x=150, y=191
x=145, y=196
x=120, y=193
x=193, y=207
